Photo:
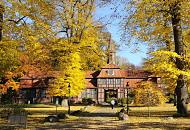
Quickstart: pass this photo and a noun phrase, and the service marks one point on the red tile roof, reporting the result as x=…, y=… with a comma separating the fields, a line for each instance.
x=133, y=83
x=110, y=66
x=27, y=83
x=91, y=83
x=132, y=76
x=137, y=74
x=92, y=74
x=116, y=74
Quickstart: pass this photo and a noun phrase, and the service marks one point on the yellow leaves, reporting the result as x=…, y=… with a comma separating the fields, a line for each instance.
x=150, y=20
x=72, y=74
x=8, y=56
x=10, y=83
x=165, y=54
x=13, y=84
x=41, y=47
x=148, y=92
x=162, y=64
x=187, y=37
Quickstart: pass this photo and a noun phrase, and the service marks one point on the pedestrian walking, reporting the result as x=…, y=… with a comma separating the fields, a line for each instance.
x=112, y=103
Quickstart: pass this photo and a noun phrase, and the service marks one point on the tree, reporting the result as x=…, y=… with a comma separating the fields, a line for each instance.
x=149, y=94
x=8, y=62
x=47, y=35
x=77, y=33
x=72, y=75
x=158, y=22
x=25, y=25
x=80, y=30
x=1, y=21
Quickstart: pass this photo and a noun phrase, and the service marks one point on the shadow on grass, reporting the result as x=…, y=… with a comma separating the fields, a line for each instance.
x=111, y=125
x=131, y=114
x=88, y=114
x=152, y=114
x=101, y=125
x=154, y=125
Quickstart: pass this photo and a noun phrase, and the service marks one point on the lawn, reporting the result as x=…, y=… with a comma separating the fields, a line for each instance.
x=97, y=117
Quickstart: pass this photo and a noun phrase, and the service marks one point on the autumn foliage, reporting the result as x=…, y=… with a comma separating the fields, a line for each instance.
x=45, y=36
x=149, y=94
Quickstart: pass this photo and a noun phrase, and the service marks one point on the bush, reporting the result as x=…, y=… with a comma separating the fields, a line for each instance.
x=84, y=100
x=171, y=98
x=88, y=101
x=8, y=98
x=108, y=100
x=122, y=101
x=72, y=102
x=148, y=94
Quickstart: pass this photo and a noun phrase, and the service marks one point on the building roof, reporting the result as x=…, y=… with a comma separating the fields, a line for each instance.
x=133, y=83
x=92, y=74
x=116, y=74
x=91, y=83
x=137, y=74
x=110, y=66
x=38, y=79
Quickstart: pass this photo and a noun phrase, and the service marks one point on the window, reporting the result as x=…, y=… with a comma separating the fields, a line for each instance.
x=117, y=81
x=31, y=93
x=122, y=81
x=42, y=93
x=103, y=81
x=110, y=81
x=99, y=81
x=110, y=72
x=91, y=93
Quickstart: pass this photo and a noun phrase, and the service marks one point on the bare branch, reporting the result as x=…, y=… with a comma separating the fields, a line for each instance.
x=16, y=22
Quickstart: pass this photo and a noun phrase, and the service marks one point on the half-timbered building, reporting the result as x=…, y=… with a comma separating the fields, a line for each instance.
x=108, y=82
x=112, y=82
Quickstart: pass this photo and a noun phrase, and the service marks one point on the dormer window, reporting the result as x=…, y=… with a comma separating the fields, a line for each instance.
x=110, y=72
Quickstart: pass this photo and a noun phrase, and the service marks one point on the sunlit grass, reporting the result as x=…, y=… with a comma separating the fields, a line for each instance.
x=97, y=117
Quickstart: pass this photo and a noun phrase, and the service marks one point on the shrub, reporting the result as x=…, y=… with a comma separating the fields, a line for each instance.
x=148, y=94
x=8, y=98
x=108, y=100
x=84, y=100
x=122, y=101
x=170, y=98
x=88, y=101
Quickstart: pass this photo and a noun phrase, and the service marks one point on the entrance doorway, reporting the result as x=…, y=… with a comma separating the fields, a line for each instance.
x=110, y=94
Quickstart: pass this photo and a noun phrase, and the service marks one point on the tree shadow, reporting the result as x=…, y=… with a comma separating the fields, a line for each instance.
x=113, y=125
x=152, y=114
x=131, y=114
x=154, y=125
x=96, y=114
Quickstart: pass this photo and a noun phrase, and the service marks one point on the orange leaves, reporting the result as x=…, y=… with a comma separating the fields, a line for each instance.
x=9, y=83
x=3, y=88
x=13, y=84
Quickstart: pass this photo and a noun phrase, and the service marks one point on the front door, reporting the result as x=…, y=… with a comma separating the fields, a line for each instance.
x=110, y=94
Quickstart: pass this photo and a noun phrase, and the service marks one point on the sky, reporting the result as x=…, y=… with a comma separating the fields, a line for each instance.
x=112, y=25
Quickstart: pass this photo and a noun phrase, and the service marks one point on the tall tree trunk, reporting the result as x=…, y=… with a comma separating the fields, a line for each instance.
x=181, y=88
x=1, y=21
